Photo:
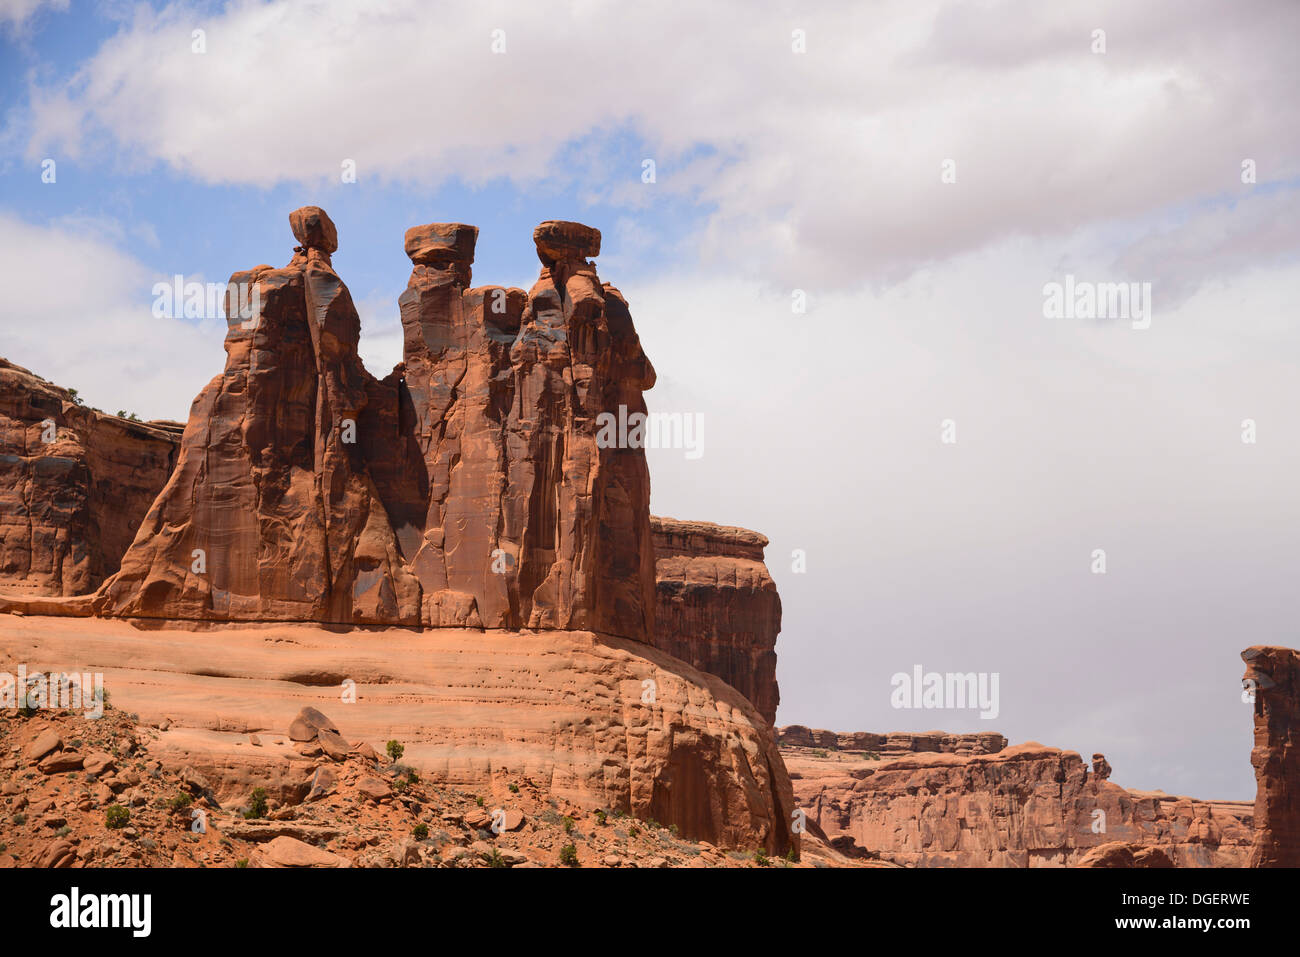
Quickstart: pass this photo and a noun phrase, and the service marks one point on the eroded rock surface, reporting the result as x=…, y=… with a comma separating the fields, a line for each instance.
x=1273, y=674
x=74, y=485
x=1023, y=806
x=595, y=721
x=717, y=605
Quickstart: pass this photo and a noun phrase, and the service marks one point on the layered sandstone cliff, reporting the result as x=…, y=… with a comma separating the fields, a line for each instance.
x=1024, y=806
x=717, y=605
x=594, y=720
x=1273, y=677
x=894, y=744
x=74, y=485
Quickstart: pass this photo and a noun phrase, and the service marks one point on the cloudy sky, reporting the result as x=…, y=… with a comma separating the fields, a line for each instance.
x=920, y=170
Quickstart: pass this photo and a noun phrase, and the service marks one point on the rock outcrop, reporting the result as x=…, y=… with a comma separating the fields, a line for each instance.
x=717, y=605
x=271, y=513
x=894, y=744
x=74, y=485
x=467, y=488
x=595, y=721
x=1273, y=676
x=1024, y=806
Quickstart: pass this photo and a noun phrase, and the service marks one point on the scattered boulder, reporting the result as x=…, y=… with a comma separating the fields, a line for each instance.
x=285, y=851
x=308, y=724
x=332, y=743
x=60, y=762
x=45, y=742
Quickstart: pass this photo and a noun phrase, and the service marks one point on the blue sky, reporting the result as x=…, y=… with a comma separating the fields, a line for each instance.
x=777, y=170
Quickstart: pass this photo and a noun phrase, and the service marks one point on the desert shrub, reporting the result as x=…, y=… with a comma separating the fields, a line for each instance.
x=256, y=804
x=420, y=832
x=117, y=816
x=568, y=824
x=569, y=855
x=395, y=750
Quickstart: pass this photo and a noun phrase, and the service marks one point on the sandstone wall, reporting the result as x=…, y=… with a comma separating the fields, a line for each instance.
x=71, y=494
x=718, y=608
x=1025, y=806
x=1274, y=676
x=894, y=744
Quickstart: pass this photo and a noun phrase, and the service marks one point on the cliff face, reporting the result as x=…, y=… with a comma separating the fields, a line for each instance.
x=1273, y=674
x=894, y=744
x=1025, y=806
x=717, y=605
x=74, y=485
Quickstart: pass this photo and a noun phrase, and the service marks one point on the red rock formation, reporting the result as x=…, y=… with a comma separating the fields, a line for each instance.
x=467, y=488
x=597, y=721
x=717, y=605
x=894, y=744
x=1026, y=806
x=74, y=485
x=1273, y=674
x=518, y=517
x=271, y=513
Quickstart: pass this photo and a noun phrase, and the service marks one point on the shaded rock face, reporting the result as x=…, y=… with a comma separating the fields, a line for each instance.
x=74, y=485
x=467, y=488
x=1024, y=806
x=717, y=606
x=1274, y=676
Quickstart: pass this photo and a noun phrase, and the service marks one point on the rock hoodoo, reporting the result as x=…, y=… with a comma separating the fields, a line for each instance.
x=467, y=488
x=1273, y=674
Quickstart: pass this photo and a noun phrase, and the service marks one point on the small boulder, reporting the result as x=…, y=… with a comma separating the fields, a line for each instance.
x=308, y=724
x=332, y=743
x=45, y=742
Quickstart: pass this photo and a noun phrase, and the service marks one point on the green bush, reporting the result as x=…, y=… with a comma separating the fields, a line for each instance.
x=568, y=824
x=395, y=750
x=116, y=817
x=569, y=855
x=496, y=860
x=601, y=817
x=514, y=788
x=760, y=857
x=256, y=804
x=420, y=832
x=181, y=800
x=242, y=862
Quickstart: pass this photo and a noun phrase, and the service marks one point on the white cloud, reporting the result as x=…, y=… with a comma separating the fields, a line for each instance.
x=16, y=13
x=822, y=169
x=78, y=311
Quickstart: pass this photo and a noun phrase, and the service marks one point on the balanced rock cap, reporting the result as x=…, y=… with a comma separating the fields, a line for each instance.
x=313, y=228
x=435, y=243
x=558, y=241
